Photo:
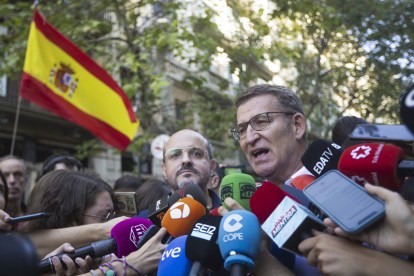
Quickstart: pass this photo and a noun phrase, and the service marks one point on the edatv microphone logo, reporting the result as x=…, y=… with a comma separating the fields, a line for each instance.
x=137, y=232
x=361, y=152
x=179, y=210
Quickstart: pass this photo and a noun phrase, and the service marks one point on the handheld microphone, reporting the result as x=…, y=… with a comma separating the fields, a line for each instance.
x=321, y=157
x=193, y=191
x=238, y=186
x=182, y=215
x=214, y=212
x=301, y=181
x=173, y=261
x=291, y=223
x=304, y=200
x=266, y=199
x=407, y=108
x=124, y=237
x=19, y=255
x=157, y=210
x=201, y=246
x=239, y=240
x=377, y=164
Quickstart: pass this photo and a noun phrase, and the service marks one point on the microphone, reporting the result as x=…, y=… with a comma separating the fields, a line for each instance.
x=304, y=200
x=193, y=191
x=173, y=261
x=407, y=108
x=214, y=212
x=239, y=240
x=378, y=164
x=290, y=223
x=201, y=246
x=238, y=186
x=301, y=181
x=124, y=237
x=182, y=215
x=266, y=199
x=157, y=210
x=321, y=157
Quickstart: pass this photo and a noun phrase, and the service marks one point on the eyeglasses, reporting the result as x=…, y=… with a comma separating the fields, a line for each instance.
x=195, y=153
x=258, y=122
x=109, y=216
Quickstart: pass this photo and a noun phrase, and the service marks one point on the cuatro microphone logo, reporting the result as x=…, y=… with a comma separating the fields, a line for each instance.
x=361, y=152
x=232, y=223
x=179, y=210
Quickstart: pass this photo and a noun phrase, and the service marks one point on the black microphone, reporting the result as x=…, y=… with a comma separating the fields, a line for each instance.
x=407, y=108
x=201, y=246
x=321, y=157
x=157, y=210
x=193, y=191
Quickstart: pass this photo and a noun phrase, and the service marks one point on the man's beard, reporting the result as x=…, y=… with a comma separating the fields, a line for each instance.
x=175, y=185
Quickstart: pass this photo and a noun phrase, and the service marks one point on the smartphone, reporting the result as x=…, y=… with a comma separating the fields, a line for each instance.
x=125, y=203
x=345, y=202
x=382, y=133
x=233, y=169
x=29, y=217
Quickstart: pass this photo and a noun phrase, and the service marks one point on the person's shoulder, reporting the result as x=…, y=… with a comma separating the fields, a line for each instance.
x=143, y=214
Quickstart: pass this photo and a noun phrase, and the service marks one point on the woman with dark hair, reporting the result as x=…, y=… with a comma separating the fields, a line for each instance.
x=73, y=198
x=150, y=191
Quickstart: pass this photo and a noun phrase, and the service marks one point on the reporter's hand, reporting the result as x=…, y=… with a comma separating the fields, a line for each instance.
x=232, y=204
x=4, y=218
x=105, y=228
x=84, y=265
x=395, y=232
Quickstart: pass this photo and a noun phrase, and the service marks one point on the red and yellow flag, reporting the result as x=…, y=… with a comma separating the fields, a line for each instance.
x=61, y=78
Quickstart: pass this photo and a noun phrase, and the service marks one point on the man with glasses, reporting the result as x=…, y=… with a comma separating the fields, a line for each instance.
x=188, y=159
x=14, y=171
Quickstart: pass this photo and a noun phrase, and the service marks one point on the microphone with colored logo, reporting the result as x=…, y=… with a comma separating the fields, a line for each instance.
x=181, y=217
x=239, y=240
x=321, y=157
x=407, y=108
x=290, y=222
x=173, y=261
x=157, y=210
x=192, y=191
x=238, y=186
x=201, y=246
x=266, y=199
x=378, y=164
x=301, y=181
x=214, y=212
x=124, y=237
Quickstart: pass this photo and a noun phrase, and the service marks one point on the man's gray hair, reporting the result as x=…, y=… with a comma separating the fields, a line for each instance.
x=7, y=157
x=289, y=102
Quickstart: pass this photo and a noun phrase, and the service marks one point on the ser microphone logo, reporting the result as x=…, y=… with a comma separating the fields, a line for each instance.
x=361, y=152
x=137, y=232
x=203, y=231
x=177, y=212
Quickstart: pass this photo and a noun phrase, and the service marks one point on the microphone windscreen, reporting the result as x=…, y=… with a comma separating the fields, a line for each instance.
x=201, y=243
x=373, y=163
x=322, y=156
x=407, y=108
x=173, y=261
x=238, y=186
x=214, y=212
x=193, y=191
x=239, y=232
x=301, y=181
x=127, y=233
x=182, y=215
x=265, y=200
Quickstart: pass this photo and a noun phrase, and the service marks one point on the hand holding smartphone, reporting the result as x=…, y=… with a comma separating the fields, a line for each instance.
x=29, y=217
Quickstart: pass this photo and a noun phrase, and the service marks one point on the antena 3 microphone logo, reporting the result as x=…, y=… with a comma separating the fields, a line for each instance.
x=283, y=221
x=361, y=152
x=179, y=210
x=137, y=231
x=232, y=224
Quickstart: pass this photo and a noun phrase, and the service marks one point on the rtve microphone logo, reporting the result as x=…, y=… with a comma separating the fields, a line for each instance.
x=137, y=231
x=177, y=212
x=232, y=224
x=361, y=152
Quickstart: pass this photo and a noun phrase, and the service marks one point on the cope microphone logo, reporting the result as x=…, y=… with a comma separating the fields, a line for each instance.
x=246, y=190
x=232, y=224
x=137, y=231
x=361, y=152
x=179, y=210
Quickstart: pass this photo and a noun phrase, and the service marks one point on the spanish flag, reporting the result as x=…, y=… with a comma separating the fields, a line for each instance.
x=58, y=76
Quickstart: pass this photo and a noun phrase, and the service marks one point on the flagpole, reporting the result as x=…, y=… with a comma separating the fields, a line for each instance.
x=16, y=121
